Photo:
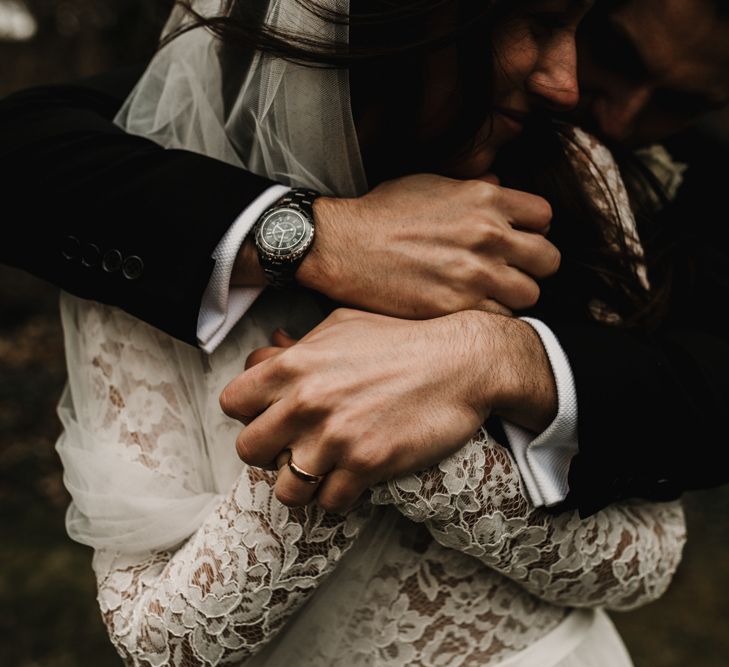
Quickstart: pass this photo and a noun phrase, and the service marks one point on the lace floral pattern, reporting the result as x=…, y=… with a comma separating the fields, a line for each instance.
x=474, y=504
x=467, y=572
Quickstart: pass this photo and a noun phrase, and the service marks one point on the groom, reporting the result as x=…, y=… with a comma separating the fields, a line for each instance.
x=126, y=230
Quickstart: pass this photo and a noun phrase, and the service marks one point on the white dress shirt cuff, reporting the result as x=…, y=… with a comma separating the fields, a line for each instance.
x=544, y=460
x=222, y=305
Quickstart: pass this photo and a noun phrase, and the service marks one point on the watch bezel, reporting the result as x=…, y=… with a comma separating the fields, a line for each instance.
x=284, y=254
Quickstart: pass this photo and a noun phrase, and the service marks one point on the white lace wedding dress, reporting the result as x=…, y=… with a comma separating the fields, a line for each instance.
x=198, y=563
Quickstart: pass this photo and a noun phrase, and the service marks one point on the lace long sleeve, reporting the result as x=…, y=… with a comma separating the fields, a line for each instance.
x=475, y=502
x=223, y=594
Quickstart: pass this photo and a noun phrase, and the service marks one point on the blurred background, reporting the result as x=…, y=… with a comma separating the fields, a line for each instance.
x=48, y=613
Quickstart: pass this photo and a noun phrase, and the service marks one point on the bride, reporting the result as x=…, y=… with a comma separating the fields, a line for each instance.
x=197, y=562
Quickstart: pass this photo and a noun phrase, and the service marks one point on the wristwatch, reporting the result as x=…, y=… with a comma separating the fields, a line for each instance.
x=284, y=234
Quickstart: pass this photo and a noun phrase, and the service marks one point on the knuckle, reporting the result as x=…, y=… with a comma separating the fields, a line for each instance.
x=335, y=430
x=225, y=400
x=487, y=276
x=230, y=402
x=492, y=234
x=285, y=365
x=360, y=462
x=544, y=211
x=531, y=294
x=248, y=453
x=485, y=192
x=465, y=271
x=555, y=261
x=367, y=460
x=307, y=399
x=546, y=258
x=242, y=446
x=342, y=315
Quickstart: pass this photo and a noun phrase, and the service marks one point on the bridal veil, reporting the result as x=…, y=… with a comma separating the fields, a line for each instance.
x=287, y=122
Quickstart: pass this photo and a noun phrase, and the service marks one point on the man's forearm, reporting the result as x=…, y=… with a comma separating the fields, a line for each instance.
x=521, y=387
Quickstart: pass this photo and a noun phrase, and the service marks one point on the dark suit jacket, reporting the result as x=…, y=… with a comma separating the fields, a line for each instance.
x=108, y=216
x=117, y=219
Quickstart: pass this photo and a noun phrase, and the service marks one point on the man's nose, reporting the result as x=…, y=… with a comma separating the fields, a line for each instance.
x=554, y=80
x=616, y=113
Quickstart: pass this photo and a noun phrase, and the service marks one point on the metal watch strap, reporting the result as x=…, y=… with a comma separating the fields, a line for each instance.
x=278, y=273
x=300, y=198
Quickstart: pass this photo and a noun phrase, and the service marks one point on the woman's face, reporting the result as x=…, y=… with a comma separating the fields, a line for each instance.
x=536, y=68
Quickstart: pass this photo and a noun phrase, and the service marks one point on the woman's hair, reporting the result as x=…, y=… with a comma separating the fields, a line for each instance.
x=599, y=263
x=385, y=55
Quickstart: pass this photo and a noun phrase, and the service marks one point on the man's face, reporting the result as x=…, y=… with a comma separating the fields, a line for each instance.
x=648, y=68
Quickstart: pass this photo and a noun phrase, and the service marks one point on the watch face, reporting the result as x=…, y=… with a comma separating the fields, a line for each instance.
x=283, y=232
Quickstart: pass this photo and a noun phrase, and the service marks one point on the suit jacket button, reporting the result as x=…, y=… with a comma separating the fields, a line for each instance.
x=133, y=267
x=112, y=261
x=91, y=256
x=71, y=248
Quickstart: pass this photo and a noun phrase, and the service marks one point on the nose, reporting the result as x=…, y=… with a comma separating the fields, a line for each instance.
x=554, y=78
x=617, y=112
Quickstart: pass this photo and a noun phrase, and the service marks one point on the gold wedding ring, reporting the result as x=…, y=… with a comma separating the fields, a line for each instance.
x=304, y=476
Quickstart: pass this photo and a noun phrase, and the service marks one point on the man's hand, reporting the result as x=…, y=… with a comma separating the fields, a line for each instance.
x=424, y=246
x=364, y=398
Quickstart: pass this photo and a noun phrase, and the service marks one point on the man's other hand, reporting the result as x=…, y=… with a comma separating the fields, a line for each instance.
x=364, y=398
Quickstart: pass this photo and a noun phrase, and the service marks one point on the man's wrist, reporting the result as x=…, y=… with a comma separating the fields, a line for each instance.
x=517, y=380
x=321, y=269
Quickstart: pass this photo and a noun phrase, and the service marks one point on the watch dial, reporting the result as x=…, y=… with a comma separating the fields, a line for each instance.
x=284, y=231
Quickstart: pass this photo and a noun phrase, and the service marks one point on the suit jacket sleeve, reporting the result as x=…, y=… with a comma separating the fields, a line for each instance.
x=108, y=216
x=652, y=407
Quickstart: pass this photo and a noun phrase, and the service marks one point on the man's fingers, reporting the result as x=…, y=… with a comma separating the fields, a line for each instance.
x=259, y=443
x=340, y=490
x=262, y=354
x=249, y=394
x=282, y=339
x=515, y=289
x=524, y=210
x=310, y=459
x=532, y=254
